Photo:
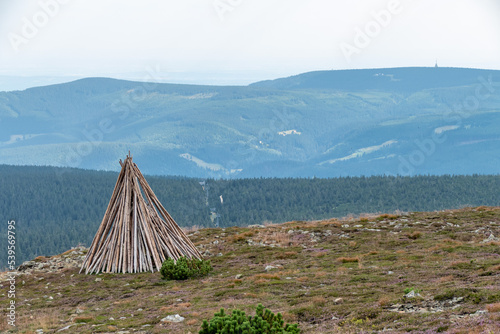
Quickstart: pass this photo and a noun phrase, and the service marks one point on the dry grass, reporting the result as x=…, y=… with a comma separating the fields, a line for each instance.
x=240, y=237
x=495, y=268
x=289, y=317
x=342, y=271
x=452, y=242
x=434, y=248
x=319, y=254
x=167, y=309
x=414, y=235
x=251, y=295
x=43, y=319
x=320, y=274
x=287, y=255
x=386, y=216
x=266, y=276
x=330, y=222
x=192, y=322
x=493, y=243
x=344, y=259
x=355, y=271
x=319, y=301
x=384, y=301
x=65, y=253
x=493, y=307
x=183, y=305
x=444, y=279
x=280, y=238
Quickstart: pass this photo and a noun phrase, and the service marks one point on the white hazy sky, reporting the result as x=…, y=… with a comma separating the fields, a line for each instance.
x=245, y=40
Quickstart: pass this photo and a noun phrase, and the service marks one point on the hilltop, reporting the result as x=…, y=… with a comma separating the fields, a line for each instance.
x=418, y=271
x=405, y=121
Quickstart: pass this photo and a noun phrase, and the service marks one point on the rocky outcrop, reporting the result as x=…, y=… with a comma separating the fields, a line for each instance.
x=69, y=259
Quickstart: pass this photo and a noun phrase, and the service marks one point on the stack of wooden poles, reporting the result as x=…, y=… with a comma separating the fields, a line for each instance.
x=136, y=234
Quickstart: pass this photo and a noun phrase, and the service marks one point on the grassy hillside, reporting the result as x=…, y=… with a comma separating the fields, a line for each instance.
x=325, y=124
x=331, y=276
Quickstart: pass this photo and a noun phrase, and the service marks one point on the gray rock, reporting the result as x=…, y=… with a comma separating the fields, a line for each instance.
x=173, y=318
x=410, y=294
x=26, y=265
x=64, y=328
x=491, y=238
x=478, y=313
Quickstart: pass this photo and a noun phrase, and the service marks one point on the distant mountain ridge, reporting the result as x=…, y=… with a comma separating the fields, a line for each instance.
x=401, y=79
x=323, y=123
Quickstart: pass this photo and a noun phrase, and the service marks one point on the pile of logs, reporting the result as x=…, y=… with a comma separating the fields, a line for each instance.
x=136, y=234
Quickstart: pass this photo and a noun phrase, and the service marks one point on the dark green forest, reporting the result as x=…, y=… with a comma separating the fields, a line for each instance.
x=57, y=208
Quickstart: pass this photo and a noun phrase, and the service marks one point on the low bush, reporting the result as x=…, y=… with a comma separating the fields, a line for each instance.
x=184, y=268
x=348, y=259
x=414, y=235
x=264, y=322
x=408, y=290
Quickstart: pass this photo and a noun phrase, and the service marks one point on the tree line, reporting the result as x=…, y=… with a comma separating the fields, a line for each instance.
x=57, y=208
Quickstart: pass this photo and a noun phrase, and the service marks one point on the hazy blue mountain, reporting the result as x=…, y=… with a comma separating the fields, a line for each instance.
x=403, y=79
x=328, y=123
x=11, y=83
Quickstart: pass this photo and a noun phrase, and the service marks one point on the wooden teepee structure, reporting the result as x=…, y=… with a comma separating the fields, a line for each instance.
x=136, y=234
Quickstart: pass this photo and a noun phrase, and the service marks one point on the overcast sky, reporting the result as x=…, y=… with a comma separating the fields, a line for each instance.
x=242, y=40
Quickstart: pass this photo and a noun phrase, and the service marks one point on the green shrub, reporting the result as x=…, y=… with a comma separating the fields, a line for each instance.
x=264, y=322
x=184, y=268
x=408, y=290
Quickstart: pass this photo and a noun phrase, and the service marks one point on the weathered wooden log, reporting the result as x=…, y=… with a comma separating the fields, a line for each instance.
x=136, y=233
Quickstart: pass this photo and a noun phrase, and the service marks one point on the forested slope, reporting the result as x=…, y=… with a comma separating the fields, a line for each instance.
x=57, y=208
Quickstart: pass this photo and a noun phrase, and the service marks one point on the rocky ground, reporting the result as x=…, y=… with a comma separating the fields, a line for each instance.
x=410, y=272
